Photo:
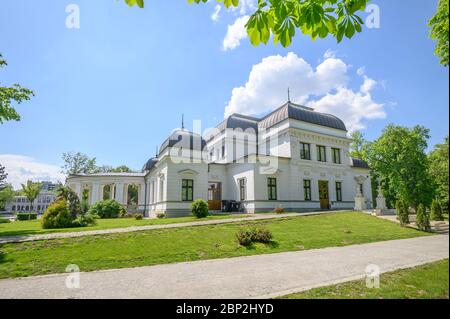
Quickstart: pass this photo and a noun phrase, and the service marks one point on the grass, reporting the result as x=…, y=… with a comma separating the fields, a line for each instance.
x=162, y=246
x=429, y=281
x=32, y=227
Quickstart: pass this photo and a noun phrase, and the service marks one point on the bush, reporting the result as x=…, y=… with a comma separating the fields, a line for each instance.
x=199, y=208
x=138, y=216
x=278, y=210
x=160, y=215
x=84, y=221
x=246, y=237
x=436, y=210
x=26, y=216
x=57, y=215
x=423, y=218
x=4, y=221
x=107, y=209
x=402, y=213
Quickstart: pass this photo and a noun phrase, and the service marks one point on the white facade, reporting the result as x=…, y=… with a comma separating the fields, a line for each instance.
x=256, y=162
x=22, y=204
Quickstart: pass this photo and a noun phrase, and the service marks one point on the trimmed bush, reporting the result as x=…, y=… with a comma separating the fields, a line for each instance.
x=84, y=221
x=160, y=215
x=246, y=237
x=199, y=208
x=278, y=210
x=4, y=221
x=402, y=213
x=138, y=216
x=423, y=218
x=436, y=210
x=26, y=216
x=57, y=215
x=107, y=209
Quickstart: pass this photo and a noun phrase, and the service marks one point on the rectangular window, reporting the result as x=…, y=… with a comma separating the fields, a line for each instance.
x=321, y=153
x=242, y=189
x=187, y=190
x=272, y=188
x=305, y=151
x=336, y=155
x=339, y=191
x=307, y=189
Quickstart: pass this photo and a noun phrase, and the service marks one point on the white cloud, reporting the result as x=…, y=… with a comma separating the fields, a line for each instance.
x=21, y=168
x=324, y=88
x=329, y=54
x=235, y=33
x=215, y=16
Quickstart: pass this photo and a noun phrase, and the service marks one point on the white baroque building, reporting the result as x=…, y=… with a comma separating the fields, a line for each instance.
x=294, y=158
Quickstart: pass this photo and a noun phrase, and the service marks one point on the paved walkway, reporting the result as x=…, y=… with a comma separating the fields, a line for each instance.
x=18, y=239
x=261, y=276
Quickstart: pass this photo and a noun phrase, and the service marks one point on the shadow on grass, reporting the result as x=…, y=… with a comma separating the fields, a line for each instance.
x=270, y=244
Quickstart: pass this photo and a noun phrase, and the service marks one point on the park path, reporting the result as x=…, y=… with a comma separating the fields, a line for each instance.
x=260, y=276
x=24, y=238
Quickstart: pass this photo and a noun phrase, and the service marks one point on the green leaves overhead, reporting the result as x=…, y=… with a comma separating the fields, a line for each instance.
x=281, y=18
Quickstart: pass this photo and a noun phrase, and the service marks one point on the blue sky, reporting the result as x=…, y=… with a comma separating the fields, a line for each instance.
x=116, y=87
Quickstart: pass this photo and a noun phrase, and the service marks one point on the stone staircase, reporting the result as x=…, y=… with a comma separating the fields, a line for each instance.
x=440, y=227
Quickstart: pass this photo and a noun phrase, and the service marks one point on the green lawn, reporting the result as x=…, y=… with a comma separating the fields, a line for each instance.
x=22, y=228
x=193, y=243
x=429, y=281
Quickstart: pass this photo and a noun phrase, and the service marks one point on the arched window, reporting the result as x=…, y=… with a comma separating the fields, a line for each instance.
x=106, y=192
x=13, y=208
x=132, y=198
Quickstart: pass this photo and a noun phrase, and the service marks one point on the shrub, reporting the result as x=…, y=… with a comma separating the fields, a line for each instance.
x=247, y=237
x=26, y=216
x=160, y=215
x=423, y=218
x=107, y=209
x=436, y=210
x=199, y=208
x=138, y=216
x=278, y=210
x=84, y=221
x=4, y=221
x=402, y=213
x=57, y=215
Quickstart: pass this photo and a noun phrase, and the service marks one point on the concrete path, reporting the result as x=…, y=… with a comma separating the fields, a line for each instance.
x=260, y=276
x=18, y=239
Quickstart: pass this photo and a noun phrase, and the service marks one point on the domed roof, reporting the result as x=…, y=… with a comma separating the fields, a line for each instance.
x=184, y=139
x=301, y=113
x=150, y=164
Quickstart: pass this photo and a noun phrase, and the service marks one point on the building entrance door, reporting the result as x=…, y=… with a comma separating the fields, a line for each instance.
x=323, y=195
x=214, y=195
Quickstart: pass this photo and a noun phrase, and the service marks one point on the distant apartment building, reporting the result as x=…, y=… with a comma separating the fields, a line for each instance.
x=22, y=204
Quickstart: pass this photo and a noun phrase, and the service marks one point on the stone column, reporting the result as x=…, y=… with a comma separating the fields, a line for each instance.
x=120, y=193
x=96, y=193
x=78, y=190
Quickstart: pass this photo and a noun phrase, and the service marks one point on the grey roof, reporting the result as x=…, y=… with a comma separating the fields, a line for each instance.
x=124, y=174
x=359, y=163
x=239, y=121
x=184, y=139
x=149, y=164
x=302, y=113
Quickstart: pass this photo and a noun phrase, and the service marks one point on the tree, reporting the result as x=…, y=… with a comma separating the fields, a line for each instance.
x=14, y=93
x=111, y=169
x=77, y=163
x=423, y=218
x=436, y=210
x=439, y=31
x=399, y=159
x=358, y=145
x=3, y=176
x=31, y=191
x=438, y=169
x=71, y=198
x=282, y=18
x=6, y=195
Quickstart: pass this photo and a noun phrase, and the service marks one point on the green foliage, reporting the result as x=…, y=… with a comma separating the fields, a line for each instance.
x=107, y=209
x=439, y=31
x=84, y=221
x=73, y=202
x=438, y=169
x=398, y=157
x=282, y=18
x=160, y=215
x=26, y=216
x=4, y=221
x=31, y=190
x=436, y=210
x=14, y=93
x=138, y=216
x=57, y=215
x=423, y=218
x=78, y=163
x=6, y=195
x=358, y=145
x=199, y=208
x=247, y=237
x=402, y=213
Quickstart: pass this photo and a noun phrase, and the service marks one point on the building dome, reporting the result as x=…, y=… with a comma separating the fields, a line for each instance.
x=149, y=164
x=184, y=139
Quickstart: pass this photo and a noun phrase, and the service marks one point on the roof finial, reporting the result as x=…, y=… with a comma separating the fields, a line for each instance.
x=156, y=151
x=182, y=121
x=289, y=95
